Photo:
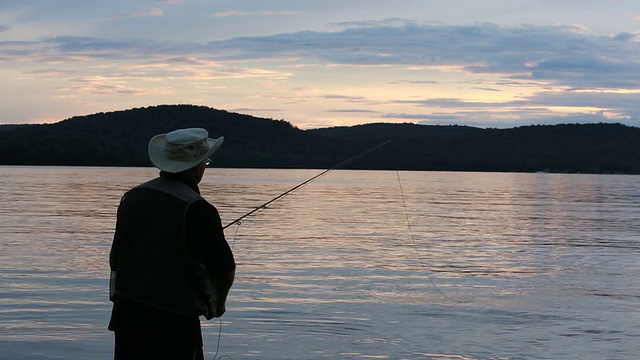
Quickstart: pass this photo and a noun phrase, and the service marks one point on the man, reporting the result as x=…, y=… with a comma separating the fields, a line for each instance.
x=170, y=262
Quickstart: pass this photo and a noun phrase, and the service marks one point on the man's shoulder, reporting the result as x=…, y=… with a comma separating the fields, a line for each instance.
x=173, y=187
x=203, y=206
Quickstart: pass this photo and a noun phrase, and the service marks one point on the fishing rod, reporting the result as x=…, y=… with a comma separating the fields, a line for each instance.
x=336, y=166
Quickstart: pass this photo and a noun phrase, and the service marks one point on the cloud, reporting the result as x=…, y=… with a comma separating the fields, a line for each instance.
x=625, y=102
x=577, y=106
x=407, y=116
x=419, y=82
x=48, y=72
x=540, y=100
x=625, y=36
x=97, y=85
x=450, y=103
x=251, y=110
x=155, y=12
x=558, y=54
x=232, y=13
x=344, y=97
x=395, y=22
x=351, y=111
x=169, y=1
x=589, y=71
x=585, y=71
x=506, y=120
x=487, y=89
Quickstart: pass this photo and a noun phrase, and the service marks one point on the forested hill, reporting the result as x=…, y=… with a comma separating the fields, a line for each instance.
x=120, y=139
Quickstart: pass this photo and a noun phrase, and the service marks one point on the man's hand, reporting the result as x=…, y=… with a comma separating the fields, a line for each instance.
x=220, y=309
x=223, y=284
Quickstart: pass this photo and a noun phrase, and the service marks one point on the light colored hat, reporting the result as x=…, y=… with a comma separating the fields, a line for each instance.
x=182, y=149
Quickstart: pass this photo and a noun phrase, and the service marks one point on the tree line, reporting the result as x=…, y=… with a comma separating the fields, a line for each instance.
x=120, y=139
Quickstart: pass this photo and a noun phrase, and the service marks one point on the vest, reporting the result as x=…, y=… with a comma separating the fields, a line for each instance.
x=153, y=266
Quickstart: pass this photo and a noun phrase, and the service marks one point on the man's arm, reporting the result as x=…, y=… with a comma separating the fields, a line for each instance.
x=206, y=243
x=224, y=283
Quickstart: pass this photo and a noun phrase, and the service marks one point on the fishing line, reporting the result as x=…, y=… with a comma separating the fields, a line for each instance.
x=238, y=221
x=341, y=164
x=415, y=245
x=215, y=354
x=235, y=235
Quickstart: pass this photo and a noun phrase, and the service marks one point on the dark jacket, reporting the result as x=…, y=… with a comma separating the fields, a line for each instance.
x=151, y=261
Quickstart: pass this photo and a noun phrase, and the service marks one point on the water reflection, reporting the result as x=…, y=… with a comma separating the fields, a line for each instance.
x=530, y=265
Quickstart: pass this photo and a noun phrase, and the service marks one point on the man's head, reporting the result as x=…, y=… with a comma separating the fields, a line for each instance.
x=182, y=149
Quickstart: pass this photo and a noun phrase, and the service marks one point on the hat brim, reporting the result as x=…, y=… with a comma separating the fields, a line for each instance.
x=158, y=159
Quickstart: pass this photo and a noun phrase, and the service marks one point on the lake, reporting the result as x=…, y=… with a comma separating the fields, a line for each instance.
x=355, y=265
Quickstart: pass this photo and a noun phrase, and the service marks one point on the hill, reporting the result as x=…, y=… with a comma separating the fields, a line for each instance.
x=120, y=139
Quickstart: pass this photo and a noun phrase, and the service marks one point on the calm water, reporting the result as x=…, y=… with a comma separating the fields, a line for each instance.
x=480, y=266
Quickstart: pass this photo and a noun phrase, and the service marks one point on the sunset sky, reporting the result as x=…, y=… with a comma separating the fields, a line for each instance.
x=321, y=63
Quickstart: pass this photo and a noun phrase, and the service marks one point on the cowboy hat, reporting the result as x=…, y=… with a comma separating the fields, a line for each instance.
x=182, y=149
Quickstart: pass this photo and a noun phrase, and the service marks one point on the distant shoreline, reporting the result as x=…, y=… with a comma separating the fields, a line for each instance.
x=119, y=139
